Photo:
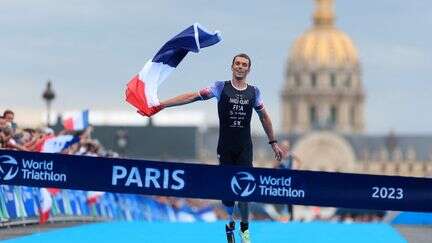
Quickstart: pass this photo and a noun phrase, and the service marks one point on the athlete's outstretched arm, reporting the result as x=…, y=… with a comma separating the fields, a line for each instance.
x=181, y=99
x=268, y=128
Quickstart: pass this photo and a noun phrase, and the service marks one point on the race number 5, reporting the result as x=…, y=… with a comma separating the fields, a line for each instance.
x=387, y=193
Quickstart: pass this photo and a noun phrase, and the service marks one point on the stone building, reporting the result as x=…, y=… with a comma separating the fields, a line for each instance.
x=323, y=109
x=323, y=87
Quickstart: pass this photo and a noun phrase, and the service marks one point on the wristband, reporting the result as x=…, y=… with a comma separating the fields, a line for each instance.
x=272, y=141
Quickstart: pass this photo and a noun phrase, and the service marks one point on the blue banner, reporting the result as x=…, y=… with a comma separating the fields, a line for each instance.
x=214, y=182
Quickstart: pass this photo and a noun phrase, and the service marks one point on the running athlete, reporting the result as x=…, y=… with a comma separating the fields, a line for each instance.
x=236, y=100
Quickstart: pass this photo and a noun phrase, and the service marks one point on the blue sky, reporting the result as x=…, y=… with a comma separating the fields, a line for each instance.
x=90, y=49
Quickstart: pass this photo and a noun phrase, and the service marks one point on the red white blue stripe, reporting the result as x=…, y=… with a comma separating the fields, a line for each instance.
x=142, y=90
x=58, y=143
x=76, y=121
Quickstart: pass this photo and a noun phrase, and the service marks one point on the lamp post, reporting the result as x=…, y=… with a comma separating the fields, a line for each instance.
x=48, y=95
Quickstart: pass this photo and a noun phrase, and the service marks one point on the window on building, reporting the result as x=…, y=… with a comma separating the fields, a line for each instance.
x=352, y=115
x=313, y=80
x=313, y=118
x=410, y=167
x=294, y=112
x=297, y=80
x=333, y=115
x=348, y=81
x=332, y=80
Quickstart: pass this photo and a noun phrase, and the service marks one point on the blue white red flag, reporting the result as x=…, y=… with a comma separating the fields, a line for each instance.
x=76, y=121
x=59, y=143
x=142, y=90
x=93, y=196
x=46, y=203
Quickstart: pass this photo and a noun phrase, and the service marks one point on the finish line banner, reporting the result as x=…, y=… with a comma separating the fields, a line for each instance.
x=216, y=182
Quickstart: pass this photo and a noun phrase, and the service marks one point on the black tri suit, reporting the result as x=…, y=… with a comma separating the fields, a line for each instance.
x=235, y=112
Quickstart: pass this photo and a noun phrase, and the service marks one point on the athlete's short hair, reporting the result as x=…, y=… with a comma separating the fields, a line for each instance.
x=244, y=55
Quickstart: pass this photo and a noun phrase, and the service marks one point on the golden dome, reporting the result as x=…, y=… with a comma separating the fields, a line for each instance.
x=324, y=45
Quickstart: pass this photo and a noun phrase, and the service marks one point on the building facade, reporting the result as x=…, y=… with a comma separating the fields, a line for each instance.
x=322, y=102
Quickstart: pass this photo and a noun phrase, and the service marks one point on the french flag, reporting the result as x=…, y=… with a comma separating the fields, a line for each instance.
x=56, y=144
x=93, y=197
x=141, y=91
x=76, y=121
x=46, y=203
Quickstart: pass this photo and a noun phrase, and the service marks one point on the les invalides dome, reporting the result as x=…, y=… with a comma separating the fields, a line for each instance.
x=323, y=87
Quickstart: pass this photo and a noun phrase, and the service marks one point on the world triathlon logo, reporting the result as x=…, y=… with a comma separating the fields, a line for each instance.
x=8, y=167
x=243, y=184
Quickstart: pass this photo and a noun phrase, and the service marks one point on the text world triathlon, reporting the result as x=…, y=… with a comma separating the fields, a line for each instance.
x=279, y=187
x=41, y=171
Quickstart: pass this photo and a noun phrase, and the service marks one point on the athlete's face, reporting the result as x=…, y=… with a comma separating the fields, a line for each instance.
x=240, y=67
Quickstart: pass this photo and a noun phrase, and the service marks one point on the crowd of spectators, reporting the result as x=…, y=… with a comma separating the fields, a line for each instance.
x=13, y=137
x=31, y=139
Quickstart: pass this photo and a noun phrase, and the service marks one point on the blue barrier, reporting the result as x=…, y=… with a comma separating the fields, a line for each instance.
x=216, y=182
x=73, y=203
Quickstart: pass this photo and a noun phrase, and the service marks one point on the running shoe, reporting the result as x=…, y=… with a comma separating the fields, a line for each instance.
x=245, y=237
x=229, y=229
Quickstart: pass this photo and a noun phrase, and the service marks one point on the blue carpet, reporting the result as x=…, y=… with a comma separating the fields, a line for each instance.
x=415, y=218
x=146, y=232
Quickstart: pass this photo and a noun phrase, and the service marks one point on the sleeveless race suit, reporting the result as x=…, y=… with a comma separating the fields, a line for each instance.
x=235, y=112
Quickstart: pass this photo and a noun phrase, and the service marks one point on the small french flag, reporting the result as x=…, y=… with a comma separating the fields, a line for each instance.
x=46, y=203
x=58, y=143
x=76, y=121
x=142, y=89
x=93, y=196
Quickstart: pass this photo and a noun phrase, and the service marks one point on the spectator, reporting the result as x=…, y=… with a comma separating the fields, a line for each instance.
x=6, y=134
x=3, y=122
x=9, y=116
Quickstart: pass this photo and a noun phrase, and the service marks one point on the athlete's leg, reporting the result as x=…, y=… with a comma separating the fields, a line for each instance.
x=244, y=223
x=245, y=159
x=244, y=215
x=229, y=207
x=226, y=158
x=291, y=212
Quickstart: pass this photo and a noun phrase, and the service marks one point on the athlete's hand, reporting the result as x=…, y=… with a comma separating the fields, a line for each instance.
x=151, y=111
x=278, y=151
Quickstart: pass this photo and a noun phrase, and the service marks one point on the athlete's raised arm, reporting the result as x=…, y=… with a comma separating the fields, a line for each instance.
x=182, y=99
x=204, y=94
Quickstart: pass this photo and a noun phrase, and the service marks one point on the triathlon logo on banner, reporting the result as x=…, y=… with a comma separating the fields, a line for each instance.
x=29, y=169
x=243, y=184
x=8, y=167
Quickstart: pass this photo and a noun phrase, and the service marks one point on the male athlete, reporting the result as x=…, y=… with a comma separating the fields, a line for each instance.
x=236, y=99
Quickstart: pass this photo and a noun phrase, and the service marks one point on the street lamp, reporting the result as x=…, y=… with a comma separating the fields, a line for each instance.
x=48, y=95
